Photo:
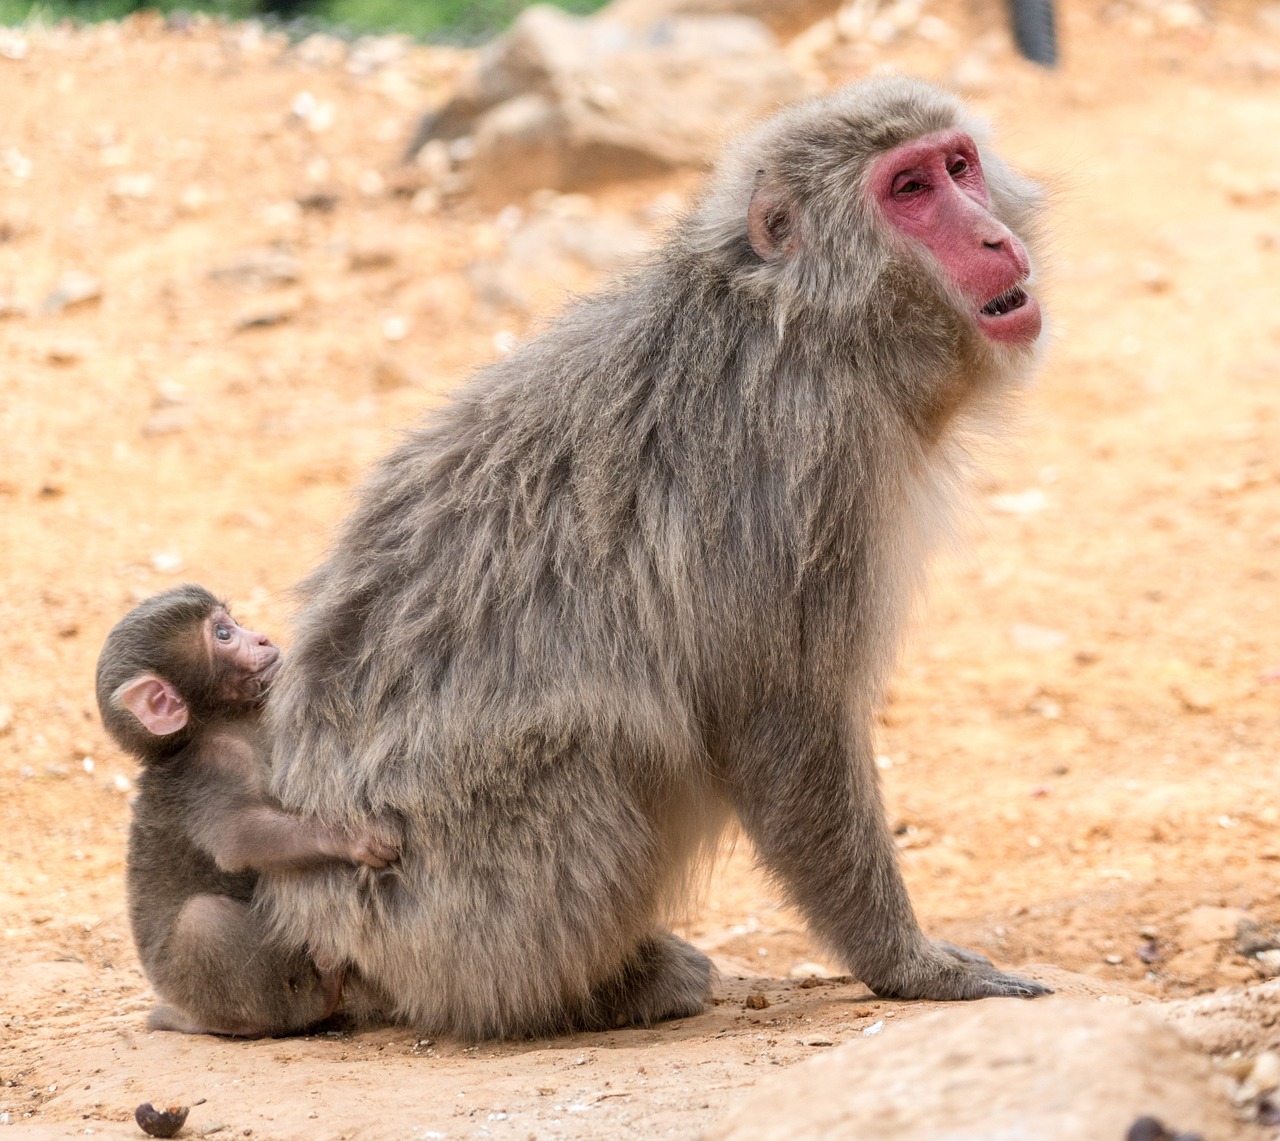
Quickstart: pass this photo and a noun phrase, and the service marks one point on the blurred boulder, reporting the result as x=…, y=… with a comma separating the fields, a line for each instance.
x=783, y=17
x=998, y=1070
x=568, y=103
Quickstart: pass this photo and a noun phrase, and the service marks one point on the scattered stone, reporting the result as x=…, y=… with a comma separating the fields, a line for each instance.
x=166, y=562
x=193, y=200
x=1254, y=938
x=757, y=1002
x=14, y=162
x=281, y=214
x=65, y=352
x=1152, y=1129
x=1154, y=276
x=318, y=201
x=1020, y=502
x=1267, y=963
x=132, y=186
x=1257, y=1081
x=389, y=374
x=371, y=257
x=263, y=319
x=1193, y=698
x=320, y=51
x=73, y=289
x=972, y=74
x=259, y=269
x=168, y=422
x=372, y=53
x=808, y=971
x=1035, y=639
x=6, y=719
x=816, y=1040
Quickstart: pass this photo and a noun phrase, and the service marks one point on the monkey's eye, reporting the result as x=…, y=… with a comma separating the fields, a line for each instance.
x=222, y=632
x=957, y=167
x=909, y=186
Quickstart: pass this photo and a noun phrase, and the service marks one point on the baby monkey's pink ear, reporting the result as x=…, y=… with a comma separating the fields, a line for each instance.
x=155, y=703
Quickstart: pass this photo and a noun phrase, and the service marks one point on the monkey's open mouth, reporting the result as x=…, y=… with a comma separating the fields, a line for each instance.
x=1012, y=298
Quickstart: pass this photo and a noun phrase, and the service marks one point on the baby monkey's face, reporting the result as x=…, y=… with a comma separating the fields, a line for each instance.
x=244, y=661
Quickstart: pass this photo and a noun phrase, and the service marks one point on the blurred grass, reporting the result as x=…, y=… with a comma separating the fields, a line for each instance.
x=454, y=21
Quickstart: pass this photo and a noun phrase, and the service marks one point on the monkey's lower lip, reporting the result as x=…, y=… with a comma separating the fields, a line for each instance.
x=1012, y=318
x=269, y=671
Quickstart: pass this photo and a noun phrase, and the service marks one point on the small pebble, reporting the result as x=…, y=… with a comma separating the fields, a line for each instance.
x=160, y=1122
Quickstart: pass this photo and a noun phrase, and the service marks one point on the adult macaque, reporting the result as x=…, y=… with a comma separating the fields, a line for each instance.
x=648, y=571
x=180, y=686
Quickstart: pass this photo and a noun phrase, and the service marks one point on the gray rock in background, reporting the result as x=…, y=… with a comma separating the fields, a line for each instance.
x=565, y=103
x=783, y=17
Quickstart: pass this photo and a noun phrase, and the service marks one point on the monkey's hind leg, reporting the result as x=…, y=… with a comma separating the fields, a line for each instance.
x=219, y=973
x=664, y=978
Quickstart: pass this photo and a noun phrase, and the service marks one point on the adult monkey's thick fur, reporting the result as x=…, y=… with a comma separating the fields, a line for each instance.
x=646, y=572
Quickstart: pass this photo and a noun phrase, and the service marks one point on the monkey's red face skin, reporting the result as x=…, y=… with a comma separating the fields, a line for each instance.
x=246, y=659
x=931, y=191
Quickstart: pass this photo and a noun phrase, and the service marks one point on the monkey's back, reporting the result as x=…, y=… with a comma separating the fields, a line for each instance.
x=165, y=867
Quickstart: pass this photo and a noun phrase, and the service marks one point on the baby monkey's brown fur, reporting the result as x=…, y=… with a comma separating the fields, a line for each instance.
x=180, y=685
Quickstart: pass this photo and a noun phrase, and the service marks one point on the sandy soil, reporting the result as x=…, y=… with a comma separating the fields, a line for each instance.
x=1080, y=751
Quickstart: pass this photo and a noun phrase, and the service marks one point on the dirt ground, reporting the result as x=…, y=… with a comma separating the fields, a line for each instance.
x=1081, y=749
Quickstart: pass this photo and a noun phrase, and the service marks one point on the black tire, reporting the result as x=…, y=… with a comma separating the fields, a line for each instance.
x=1034, y=30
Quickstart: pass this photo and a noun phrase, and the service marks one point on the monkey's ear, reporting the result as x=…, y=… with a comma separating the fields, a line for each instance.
x=772, y=227
x=155, y=703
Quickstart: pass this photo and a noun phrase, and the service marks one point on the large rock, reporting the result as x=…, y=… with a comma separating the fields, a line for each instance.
x=567, y=103
x=783, y=17
x=1000, y=1070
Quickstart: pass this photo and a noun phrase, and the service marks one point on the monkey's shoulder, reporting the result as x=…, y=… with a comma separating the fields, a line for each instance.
x=229, y=756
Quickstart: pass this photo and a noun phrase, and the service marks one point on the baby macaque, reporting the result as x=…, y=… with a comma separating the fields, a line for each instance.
x=180, y=685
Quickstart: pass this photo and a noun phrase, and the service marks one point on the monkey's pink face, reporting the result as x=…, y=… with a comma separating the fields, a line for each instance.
x=246, y=660
x=932, y=191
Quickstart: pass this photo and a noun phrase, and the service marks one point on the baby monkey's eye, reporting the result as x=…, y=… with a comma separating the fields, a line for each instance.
x=222, y=633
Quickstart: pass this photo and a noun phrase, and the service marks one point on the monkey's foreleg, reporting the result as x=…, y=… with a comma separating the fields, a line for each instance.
x=808, y=795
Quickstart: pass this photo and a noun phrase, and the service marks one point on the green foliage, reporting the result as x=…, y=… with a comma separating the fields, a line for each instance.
x=460, y=21
x=91, y=11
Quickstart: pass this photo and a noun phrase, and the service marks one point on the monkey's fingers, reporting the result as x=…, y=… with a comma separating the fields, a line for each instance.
x=1001, y=984
x=375, y=852
x=939, y=975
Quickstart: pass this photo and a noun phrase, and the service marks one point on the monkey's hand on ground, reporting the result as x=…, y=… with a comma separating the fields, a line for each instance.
x=944, y=972
x=376, y=844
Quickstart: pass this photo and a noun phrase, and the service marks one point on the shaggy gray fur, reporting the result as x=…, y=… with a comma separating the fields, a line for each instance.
x=643, y=574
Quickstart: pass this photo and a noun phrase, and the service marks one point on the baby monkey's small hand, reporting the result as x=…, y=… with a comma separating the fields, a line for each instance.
x=377, y=844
